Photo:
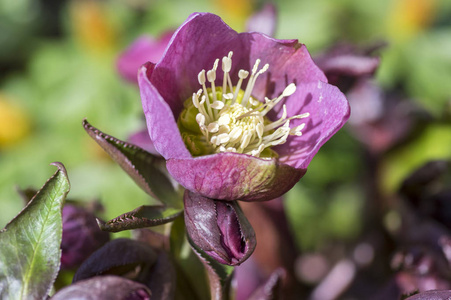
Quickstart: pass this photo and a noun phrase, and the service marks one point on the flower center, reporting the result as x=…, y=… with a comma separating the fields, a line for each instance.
x=228, y=119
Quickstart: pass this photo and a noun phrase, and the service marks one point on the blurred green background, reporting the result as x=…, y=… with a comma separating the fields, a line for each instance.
x=57, y=66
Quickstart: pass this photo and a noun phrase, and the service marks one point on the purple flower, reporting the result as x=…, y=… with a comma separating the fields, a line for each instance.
x=143, y=49
x=244, y=129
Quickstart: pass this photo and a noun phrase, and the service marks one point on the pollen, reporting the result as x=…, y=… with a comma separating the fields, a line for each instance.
x=230, y=119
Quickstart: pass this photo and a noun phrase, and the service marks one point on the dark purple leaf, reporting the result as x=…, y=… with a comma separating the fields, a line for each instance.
x=104, y=287
x=118, y=257
x=156, y=240
x=147, y=170
x=161, y=279
x=423, y=176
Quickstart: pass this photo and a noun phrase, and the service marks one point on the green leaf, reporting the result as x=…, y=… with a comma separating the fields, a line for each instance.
x=141, y=217
x=147, y=170
x=220, y=275
x=30, y=244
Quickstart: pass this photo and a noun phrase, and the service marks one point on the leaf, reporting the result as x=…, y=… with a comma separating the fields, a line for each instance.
x=141, y=217
x=162, y=278
x=104, y=287
x=147, y=170
x=30, y=244
x=219, y=275
x=118, y=257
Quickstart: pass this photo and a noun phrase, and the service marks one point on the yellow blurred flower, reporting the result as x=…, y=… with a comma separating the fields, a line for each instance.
x=14, y=122
x=409, y=17
x=235, y=12
x=91, y=26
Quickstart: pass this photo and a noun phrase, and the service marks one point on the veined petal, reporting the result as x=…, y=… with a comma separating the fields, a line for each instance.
x=163, y=130
x=175, y=76
x=233, y=176
x=328, y=109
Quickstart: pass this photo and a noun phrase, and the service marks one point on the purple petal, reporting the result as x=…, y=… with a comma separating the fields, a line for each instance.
x=328, y=109
x=175, y=75
x=143, y=49
x=264, y=20
x=163, y=130
x=289, y=62
x=232, y=176
x=229, y=226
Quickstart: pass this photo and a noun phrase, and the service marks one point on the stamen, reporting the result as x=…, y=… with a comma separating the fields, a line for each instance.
x=278, y=122
x=217, y=105
x=211, y=77
x=235, y=134
x=226, y=67
x=250, y=86
x=228, y=96
x=200, y=119
x=209, y=112
x=297, y=130
x=201, y=77
x=213, y=127
x=246, y=138
x=235, y=123
x=224, y=119
x=242, y=74
x=223, y=138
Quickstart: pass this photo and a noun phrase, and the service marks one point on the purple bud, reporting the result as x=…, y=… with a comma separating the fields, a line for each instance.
x=81, y=236
x=219, y=228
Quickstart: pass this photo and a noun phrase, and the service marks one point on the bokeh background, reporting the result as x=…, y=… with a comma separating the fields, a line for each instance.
x=58, y=66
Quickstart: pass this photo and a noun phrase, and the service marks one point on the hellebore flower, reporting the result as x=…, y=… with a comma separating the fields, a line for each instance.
x=249, y=132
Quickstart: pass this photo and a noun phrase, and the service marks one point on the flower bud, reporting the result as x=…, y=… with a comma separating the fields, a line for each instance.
x=219, y=228
x=81, y=236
